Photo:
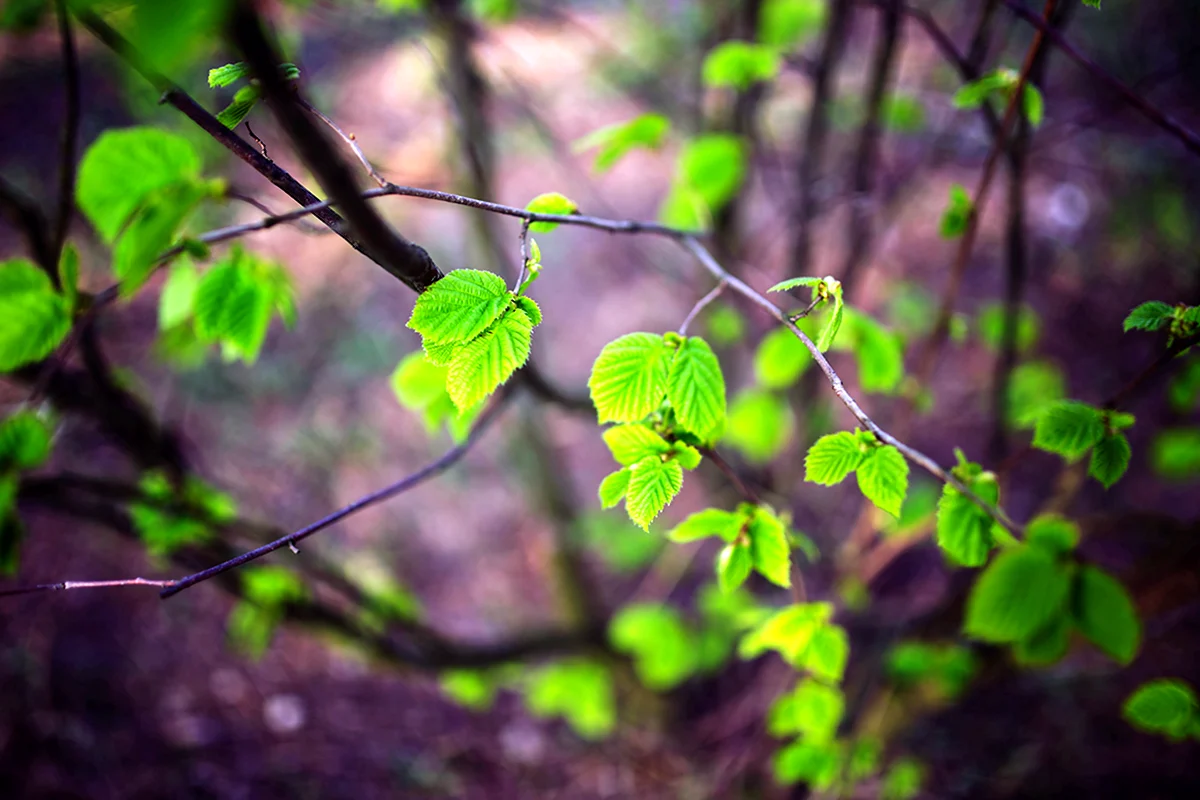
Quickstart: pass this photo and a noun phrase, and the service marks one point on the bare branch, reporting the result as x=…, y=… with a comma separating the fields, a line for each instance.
x=70, y=135
x=701, y=304
x=348, y=138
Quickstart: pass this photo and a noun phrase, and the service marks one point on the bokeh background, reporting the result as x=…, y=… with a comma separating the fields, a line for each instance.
x=118, y=694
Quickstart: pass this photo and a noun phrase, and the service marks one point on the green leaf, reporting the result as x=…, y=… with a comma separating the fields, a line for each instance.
x=1092, y=3
x=123, y=168
x=974, y=94
x=24, y=442
x=827, y=653
x=903, y=780
x=1104, y=612
x=629, y=378
x=830, y=330
x=816, y=763
x=786, y=23
x=631, y=443
x=725, y=326
x=613, y=487
x=1033, y=104
x=792, y=283
x=272, y=586
x=1149, y=316
x=958, y=211
x=460, y=306
x=1032, y=388
x=740, y=65
x=227, y=74
x=780, y=360
x=34, y=319
x=713, y=166
x=1110, y=459
x=489, y=360
x=687, y=456
x=614, y=141
x=151, y=231
x=883, y=478
x=788, y=631
x=417, y=383
x=734, y=564
x=813, y=710
x=709, y=522
x=760, y=425
x=663, y=649
x=440, y=354
x=878, y=352
x=769, y=548
x=832, y=458
x=963, y=528
x=531, y=309
x=696, y=388
x=1162, y=706
x=903, y=113
x=175, y=519
x=580, y=691
x=1068, y=428
x=250, y=629
x=1053, y=533
x=550, y=203
x=239, y=107
x=1175, y=453
x=469, y=688
x=1022, y=590
x=652, y=485
x=178, y=296
x=233, y=305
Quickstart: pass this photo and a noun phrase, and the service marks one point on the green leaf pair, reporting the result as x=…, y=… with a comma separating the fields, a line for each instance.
x=231, y=304
x=740, y=65
x=1071, y=429
x=1181, y=321
x=138, y=186
x=472, y=324
x=651, y=474
x=172, y=517
x=805, y=637
x=578, y=690
x=756, y=539
x=1032, y=595
x=947, y=668
x=613, y=142
x=1002, y=83
x=881, y=470
x=1165, y=706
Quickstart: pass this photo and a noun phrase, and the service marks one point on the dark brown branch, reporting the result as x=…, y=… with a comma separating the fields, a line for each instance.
x=858, y=232
x=1188, y=138
x=812, y=148
x=403, y=259
x=30, y=220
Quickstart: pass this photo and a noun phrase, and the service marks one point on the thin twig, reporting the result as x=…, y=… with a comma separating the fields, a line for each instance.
x=729, y=472
x=348, y=138
x=301, y=224
x=1187, y=137
x=70, y=135
x=70, y=585
x=524, y=257
x=701, y=304
x=966, y=245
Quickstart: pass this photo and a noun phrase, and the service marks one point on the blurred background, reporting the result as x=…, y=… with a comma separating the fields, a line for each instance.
x=118, y=694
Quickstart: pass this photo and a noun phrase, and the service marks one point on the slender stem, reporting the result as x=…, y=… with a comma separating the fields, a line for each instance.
x=348, y=138
x=70, y=135
x=727, y=469
x=701, y=304
x=519, y=286
x=70, y=585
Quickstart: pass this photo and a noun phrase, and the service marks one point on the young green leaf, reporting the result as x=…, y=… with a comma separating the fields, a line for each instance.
x=792, y=283
x=1054, y=534
x=696, y=388
x=152, y=230
x=233, y=307
x=1104, y=612
x=786, y=23
x=441, y=354
x=24, y=443
x=780, y=360
x=1148, y=317
x=1110, y=459
x=992, y=321
x=1022, y=590
x=580, y=691
x=629, y=378
x=34, y=319
x=631, y=443
x=531, y=309
x=1047, y=645
x=550, y=203
x=418, y=383
x=740, y=65
x=470, y=688
x=613, y=487
x=653, y=484
x=788, y=631
x=490, y=359
x=963, y=528
x=1068, y=428
x=734, y=563
x=830, y=330
x=227, y=74
x=817, y=710
x=713, y=166
x=1033, y=104
x=243, y=102
x=832, y=458
x=123, y=167
x=883, y=478
x=827, y=653
x=817, y=763
x=1162, y=706
x=709, y=522
x=460, y=306
x=878, y=352
x=1033, y=387
x=662, y=646
x=769, y=548
x=178, y=296
x=903, y=780
x=958, y=211
x=760, y=425
x=614, y=141
x=1175, y=453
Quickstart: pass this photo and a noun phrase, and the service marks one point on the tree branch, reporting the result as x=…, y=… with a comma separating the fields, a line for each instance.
x=70, y=136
